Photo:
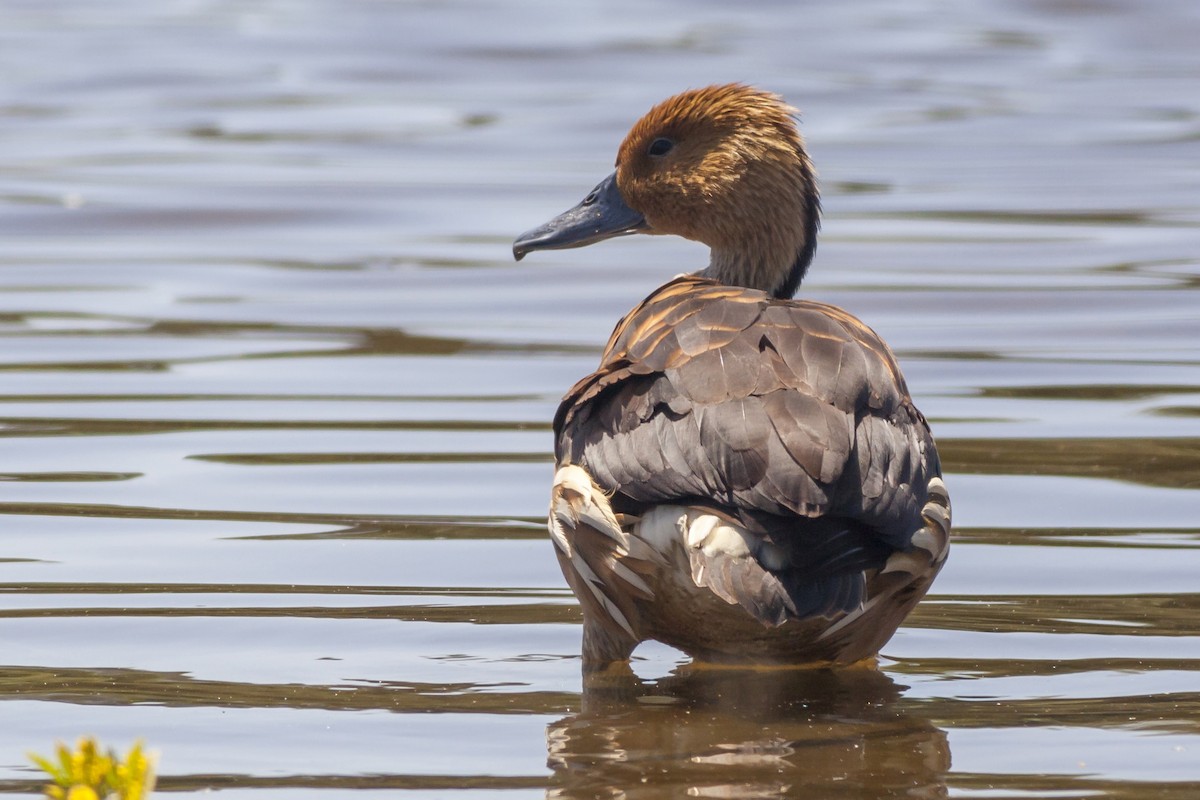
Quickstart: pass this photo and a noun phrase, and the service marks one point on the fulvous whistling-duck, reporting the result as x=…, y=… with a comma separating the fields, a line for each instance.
x=745, y=476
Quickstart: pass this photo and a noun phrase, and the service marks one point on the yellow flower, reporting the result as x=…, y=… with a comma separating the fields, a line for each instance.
x=85, y=773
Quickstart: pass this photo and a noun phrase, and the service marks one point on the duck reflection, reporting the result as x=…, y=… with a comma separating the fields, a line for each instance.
x=705, y=732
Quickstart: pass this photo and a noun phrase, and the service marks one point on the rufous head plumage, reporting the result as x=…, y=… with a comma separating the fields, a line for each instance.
x=723, y=165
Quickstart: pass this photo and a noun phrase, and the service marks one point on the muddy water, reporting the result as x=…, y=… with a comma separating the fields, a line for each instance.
x=274, y=399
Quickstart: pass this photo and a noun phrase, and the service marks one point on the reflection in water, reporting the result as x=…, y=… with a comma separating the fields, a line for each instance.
x=705, y=732
x=1154, y=461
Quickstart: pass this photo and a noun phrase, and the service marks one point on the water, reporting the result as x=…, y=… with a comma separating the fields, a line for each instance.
x=275, y=401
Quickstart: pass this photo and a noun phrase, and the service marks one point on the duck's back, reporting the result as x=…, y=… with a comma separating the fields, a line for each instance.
x=787, y=420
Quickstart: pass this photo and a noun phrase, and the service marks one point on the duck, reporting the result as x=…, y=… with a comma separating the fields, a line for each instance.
x=744, y=477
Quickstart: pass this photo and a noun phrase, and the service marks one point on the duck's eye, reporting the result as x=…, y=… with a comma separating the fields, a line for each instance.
x=660, y=146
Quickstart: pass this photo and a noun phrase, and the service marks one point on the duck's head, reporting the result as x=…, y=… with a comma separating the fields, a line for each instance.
x=725, y=166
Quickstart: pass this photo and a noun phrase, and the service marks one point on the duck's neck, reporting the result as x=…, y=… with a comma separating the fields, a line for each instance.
x=744, y=268
x=775, y=258
x=772, y=267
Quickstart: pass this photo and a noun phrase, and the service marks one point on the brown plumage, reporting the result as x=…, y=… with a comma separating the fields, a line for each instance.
x=745, y=476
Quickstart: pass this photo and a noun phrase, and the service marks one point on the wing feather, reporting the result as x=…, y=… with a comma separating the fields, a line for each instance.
x=792, y=412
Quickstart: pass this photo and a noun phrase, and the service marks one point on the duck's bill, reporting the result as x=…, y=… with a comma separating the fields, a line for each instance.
x=602, y=215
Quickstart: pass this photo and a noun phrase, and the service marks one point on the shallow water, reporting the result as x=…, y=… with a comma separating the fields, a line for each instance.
x=275, y=400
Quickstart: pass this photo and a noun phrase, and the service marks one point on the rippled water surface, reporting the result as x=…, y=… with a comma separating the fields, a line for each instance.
x=275, y=400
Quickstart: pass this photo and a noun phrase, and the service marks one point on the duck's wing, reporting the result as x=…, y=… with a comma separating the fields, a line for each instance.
x=777, y=411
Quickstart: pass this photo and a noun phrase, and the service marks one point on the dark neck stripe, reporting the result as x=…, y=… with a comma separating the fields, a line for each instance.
x=804, y=255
